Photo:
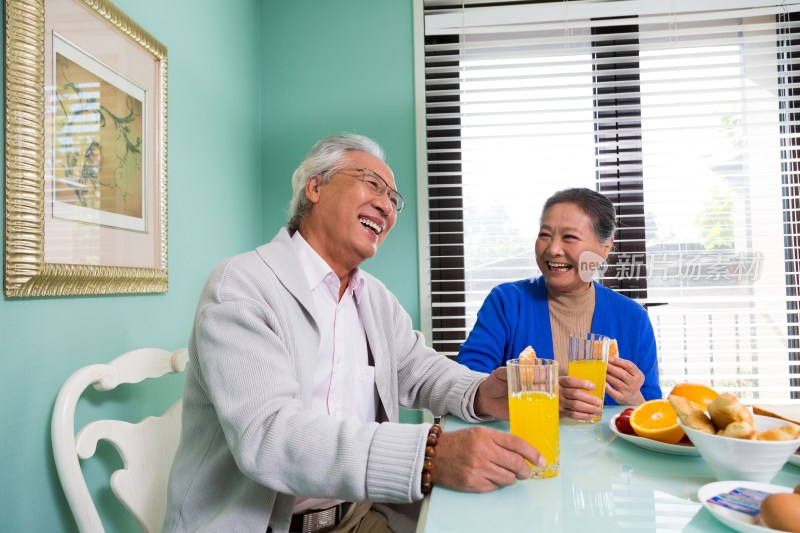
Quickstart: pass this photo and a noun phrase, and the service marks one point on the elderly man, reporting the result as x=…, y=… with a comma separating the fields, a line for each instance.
x=298, y=362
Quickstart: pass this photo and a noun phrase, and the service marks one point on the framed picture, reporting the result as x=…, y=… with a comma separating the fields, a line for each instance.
x=86, y=151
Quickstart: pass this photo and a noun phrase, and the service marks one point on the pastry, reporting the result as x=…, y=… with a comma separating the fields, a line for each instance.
x=787, y=432
x=691, y=415
x=613, y=349
x=727, y=409
x=738, y=430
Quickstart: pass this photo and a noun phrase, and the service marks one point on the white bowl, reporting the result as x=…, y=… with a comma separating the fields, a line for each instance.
x=748, y=460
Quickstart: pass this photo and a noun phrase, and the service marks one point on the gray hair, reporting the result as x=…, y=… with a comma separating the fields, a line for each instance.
x=324, y=160
x=596, y=206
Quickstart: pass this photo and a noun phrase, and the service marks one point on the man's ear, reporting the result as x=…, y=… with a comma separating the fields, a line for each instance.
x=312, y=189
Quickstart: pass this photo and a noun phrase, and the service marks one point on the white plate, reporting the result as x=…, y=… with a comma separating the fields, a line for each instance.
x=729, y=519
x=654, y=445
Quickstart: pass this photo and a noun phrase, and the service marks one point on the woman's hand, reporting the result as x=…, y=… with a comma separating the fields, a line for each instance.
x=480, y=459
x=574, y=399
x=624, y=381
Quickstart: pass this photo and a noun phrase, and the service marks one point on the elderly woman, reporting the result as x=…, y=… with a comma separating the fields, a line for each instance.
x=543, y=311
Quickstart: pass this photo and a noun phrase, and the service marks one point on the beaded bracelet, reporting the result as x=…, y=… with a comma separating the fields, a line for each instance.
x=430, y=453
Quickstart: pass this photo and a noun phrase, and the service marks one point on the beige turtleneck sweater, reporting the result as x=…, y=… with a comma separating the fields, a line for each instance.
x=569, y=313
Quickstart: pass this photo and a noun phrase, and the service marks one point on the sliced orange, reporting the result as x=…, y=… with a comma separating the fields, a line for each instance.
x=657, y=420
x=701, y=395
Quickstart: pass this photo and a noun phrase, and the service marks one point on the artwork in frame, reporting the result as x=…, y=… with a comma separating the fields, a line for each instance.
x=86, y=151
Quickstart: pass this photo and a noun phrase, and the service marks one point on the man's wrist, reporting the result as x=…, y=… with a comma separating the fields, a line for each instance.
x=481, y=405
x=430, y=453
x=471, y=401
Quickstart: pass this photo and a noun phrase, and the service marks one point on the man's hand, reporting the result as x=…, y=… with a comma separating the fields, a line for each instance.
x=574, y=400
x=480, y=459
x=492, y=396
x=624, y=381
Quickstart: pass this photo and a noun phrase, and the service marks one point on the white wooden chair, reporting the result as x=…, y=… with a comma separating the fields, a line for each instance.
x=147, y=448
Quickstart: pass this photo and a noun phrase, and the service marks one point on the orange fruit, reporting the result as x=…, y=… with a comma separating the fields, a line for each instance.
x=657, y=420
x=701, y=395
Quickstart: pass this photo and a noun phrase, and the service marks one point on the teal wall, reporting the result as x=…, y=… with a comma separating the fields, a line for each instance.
x=252, y=84
x=215, y=210
x=343, y=66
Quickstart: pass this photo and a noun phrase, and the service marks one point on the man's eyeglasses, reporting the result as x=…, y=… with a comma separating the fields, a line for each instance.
x=379, y=186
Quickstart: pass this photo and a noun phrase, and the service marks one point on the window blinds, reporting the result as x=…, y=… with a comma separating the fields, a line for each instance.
x=684, y=113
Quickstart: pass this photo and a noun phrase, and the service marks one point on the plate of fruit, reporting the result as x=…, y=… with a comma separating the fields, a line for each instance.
x=620, y=425
x=653, y=425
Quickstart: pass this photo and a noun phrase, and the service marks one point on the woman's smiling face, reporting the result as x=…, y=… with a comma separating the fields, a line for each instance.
x=565, y=233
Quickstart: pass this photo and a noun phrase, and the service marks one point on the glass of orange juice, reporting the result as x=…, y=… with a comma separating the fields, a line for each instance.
x=588, y=359
x=533, y=409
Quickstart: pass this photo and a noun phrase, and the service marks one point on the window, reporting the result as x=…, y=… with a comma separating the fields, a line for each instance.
x=684, y=117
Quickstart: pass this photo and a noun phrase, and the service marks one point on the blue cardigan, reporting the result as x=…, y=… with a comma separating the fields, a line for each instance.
x=516, y=315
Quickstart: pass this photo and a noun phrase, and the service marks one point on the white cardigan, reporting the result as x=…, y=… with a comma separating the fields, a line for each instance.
x=249, y=442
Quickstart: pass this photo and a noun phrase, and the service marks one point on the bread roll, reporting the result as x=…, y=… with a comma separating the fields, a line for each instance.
x=787, y=432
x=527, y=354
x=738, y=430
x=690, y=415
x=727, y=409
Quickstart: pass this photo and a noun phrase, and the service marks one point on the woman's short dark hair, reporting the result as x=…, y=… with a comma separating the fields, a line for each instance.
x=596, y=206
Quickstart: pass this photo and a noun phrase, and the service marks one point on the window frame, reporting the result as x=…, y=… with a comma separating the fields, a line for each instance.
x=449, y=311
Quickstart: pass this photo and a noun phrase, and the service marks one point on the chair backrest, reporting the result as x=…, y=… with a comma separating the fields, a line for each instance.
x=146, y=448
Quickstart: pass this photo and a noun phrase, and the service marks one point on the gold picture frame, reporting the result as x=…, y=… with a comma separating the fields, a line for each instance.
x=86, y=151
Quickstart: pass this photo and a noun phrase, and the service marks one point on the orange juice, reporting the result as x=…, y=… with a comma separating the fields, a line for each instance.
x=591, y=370
x=534, y=418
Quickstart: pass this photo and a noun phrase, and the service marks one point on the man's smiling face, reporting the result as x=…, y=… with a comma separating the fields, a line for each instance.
x=348, y=221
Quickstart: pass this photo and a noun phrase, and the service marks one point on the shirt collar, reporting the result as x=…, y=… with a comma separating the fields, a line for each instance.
x=317, y=271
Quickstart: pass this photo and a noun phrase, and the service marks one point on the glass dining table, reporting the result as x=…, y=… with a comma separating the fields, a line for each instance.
x=606, y=484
